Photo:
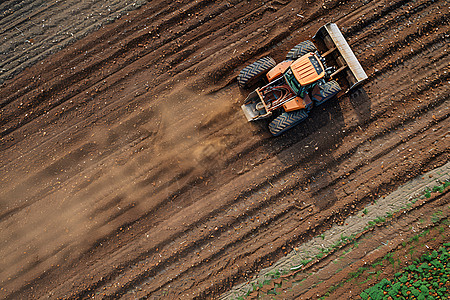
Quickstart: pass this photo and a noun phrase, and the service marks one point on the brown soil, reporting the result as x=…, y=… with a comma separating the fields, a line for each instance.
x=128, y=169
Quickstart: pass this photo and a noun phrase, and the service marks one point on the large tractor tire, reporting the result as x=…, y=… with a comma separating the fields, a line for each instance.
x=324, y=92
x=300, y=50
x=251, y=73
x=286, y=121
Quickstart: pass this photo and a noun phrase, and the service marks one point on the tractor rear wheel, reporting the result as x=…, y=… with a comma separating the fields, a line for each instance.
x=300, y=50
x=286, y=121
x=251, y=73
x=324, y=92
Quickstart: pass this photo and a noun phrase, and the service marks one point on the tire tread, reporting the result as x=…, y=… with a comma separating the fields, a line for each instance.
x=253, y=71
x=300, y=50
x=286, y=121
x=325, y=92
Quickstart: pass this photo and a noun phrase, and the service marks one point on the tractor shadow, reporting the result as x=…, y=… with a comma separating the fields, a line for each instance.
x=360, y=102
x=310, y=146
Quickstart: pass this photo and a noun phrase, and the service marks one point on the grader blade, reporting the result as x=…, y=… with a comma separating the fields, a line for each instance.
x=336, y=46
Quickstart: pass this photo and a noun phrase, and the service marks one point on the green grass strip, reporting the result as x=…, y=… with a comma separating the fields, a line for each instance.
x=426, y=279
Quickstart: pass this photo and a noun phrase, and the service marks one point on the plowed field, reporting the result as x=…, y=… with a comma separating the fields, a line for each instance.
x=129, y=170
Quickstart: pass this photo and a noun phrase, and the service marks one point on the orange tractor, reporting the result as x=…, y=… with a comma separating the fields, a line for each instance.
x=311, y=74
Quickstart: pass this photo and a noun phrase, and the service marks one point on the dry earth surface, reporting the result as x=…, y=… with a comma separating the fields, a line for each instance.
x=128, y=169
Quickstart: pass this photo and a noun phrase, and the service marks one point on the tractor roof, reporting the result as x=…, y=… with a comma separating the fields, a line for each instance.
x=308, y=69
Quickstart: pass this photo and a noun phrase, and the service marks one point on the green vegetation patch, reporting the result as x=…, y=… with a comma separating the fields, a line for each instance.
x=427, y=278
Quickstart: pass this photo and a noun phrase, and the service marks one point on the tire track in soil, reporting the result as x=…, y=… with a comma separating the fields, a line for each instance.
x=203, y=198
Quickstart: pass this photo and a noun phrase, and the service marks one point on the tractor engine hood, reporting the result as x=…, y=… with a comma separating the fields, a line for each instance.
x=308, y=69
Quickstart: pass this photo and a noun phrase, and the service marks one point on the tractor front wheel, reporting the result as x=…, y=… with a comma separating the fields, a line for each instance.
x=252, y=73
x=286, y=121
x=322, y=93
x=300, y=50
